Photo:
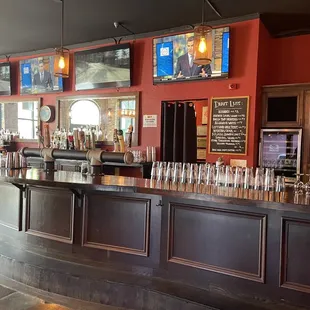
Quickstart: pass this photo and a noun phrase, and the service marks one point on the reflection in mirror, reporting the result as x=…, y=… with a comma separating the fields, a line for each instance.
x=104, y=113
x=79, y=118
x=20, y=118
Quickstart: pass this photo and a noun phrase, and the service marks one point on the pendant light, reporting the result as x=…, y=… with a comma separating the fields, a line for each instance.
x=62, y=57
x=203, y=41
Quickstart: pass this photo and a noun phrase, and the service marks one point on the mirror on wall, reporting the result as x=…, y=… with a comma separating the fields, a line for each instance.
x=20, y=117
x=105, y=112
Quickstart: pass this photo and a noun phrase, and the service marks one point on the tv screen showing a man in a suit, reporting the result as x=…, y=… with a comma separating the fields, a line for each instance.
x=37, y=76
x=174, y=58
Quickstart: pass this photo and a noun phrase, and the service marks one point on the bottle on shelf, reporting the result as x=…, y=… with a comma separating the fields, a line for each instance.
x=70, y=141
x=116, y=141
x=82, y=139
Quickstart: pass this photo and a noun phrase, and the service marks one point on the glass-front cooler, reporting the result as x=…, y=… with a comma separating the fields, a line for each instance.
x=280, y=149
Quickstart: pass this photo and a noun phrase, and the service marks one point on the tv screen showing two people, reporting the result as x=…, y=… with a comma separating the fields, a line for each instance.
x=37, y=76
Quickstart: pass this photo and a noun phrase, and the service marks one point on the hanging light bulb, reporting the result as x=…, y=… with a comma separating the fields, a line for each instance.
x=202, y=45
x=61, y=62
x=62, y=57
x=203, y=42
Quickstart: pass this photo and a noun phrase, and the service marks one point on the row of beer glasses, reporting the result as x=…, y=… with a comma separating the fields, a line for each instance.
x=300, y=187
x=222, y=176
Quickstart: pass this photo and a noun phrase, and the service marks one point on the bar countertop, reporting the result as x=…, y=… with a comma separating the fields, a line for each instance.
x=120, y=236
x=75, y=180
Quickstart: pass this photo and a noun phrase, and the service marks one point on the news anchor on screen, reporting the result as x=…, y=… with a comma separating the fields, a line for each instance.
x=43, y=79
x=185, y=64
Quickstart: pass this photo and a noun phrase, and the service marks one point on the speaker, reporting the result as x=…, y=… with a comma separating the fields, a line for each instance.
x=178, y=132
x=189, y=134
x=167, y=129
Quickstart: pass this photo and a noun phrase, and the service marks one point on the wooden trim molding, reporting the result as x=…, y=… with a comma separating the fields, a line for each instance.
x=110, y=247
x=278, y=92
x=257, y=277
x=281, y=87
x=45, y=235
x=283, y=281
x=93, y=98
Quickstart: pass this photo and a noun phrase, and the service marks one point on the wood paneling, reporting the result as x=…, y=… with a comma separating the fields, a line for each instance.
x=50, y=213
x=227, y=242
x=280, y=92
x=295, y=255
x=306, y=136
x=11, y=204
x=118, y=224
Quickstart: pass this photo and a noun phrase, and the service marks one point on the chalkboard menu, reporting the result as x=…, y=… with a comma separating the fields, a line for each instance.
x=229, y=126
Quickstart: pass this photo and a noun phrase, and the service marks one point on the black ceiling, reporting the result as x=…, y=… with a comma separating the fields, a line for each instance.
x=28, y=25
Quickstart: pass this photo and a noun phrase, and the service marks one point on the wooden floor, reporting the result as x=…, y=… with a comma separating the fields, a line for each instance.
x=17, y=296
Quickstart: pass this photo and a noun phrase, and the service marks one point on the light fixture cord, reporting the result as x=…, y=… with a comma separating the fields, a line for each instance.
x=203, y=12
x=62, y=23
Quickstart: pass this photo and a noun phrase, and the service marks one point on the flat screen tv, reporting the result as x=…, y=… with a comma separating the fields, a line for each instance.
x=172, y=58
x=104, y=67
x=5, y=79
x=37, y=76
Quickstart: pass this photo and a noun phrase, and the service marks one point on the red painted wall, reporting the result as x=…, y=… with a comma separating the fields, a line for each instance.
x=244, y=59
x=289, y=60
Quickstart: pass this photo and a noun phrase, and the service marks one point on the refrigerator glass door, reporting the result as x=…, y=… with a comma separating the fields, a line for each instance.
x=280, y=150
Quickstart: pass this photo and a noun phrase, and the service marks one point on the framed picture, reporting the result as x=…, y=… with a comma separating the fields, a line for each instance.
x=202, y=131
x=201, y=142
x=205, y=115
x=201, y=154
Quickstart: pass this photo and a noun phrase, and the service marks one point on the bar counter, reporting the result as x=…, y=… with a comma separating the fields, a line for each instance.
x=130, y=243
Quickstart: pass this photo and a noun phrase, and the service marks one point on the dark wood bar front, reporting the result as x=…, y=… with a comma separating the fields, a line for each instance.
x=115, y=240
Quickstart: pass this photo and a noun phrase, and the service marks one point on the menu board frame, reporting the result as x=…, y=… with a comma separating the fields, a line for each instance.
x=247, y=124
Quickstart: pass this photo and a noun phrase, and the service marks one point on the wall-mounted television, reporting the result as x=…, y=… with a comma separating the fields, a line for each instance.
x=173, y=58
x=5, y=79
x=37, y=76
x=104, y=67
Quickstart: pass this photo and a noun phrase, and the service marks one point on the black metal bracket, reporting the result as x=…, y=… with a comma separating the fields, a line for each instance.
x=117, y=41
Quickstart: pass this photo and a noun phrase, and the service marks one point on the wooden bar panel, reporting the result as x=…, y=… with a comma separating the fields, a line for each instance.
x=295, y=255
x=227, y=242
x=11, y=204
x=118, y=224
x=50, y=213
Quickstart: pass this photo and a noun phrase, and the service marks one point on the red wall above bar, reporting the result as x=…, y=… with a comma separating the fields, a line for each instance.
x=244, y=59
x=289, y=60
